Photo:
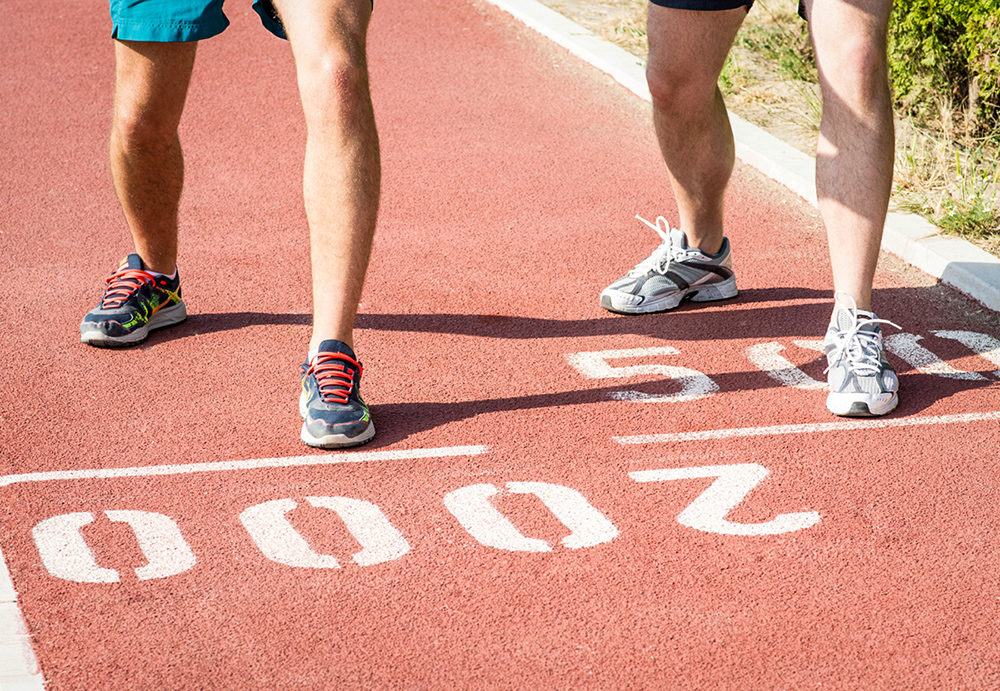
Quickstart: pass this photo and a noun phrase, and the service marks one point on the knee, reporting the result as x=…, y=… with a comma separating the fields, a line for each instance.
x=678, y=92
x=854, y=72
x=334, y=87
x=140, y=127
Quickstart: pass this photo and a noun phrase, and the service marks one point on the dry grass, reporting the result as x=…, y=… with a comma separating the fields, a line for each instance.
x=769, y=79
x=622, y=22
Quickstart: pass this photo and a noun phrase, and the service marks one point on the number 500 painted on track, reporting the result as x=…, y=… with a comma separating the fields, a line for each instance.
x=66, y=554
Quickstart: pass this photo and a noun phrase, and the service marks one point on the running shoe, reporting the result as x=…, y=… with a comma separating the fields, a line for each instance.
x=135, y=302
x=333, y=412
x=862, y=382
x=672, y=273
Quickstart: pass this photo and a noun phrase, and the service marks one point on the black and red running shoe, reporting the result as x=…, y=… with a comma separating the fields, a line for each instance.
x=333, y=412
x=134, y=303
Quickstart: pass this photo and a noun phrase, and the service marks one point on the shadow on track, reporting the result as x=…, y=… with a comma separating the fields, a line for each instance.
x=751, y=316
x=397, y=421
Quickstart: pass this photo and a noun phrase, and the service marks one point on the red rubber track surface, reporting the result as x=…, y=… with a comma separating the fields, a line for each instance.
x=511, y=175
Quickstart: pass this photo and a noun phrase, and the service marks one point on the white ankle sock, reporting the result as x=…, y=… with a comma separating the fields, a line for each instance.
x=170, y=276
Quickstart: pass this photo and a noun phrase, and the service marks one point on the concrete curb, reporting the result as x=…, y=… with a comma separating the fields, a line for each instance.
x=952, y=260
x=18, y=666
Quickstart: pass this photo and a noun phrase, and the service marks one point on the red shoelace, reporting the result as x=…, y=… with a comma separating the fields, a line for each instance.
x=334, y=377
x=122, y=283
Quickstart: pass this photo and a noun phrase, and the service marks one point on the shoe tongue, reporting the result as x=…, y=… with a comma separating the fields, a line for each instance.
x=678, y=238
x=866, y=321
x=133, y=261
x=844, y=319
x=335, y=346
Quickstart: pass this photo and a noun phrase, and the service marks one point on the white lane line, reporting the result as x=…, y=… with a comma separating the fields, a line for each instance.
x=287, y=462
x=843, y=426
x=18, y=665
x=19, y=668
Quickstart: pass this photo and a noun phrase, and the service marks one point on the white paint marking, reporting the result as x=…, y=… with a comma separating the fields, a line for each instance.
x=18, y=665
x=768, y=359
x=68, y=552
x=161, y=542
x=845, y=425
x=253, y=464
x=280, y=542
x=64, y=552
x=733, y=484
x=588, y=525
x=594, y=365
x=982, y=345
x=905, y=346
x=380, y=540
x=472, y=507
x=810, y=344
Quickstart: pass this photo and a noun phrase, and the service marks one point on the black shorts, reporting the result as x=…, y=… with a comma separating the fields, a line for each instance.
x=704, y=5
x=714, y=5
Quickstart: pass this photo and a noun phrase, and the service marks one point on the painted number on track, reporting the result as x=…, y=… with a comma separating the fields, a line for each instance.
x=65, y=553
x=768, y=358
x=733, y=483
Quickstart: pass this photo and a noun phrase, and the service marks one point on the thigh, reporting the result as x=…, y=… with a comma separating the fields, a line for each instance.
x=849, y=39
x=841, y=25
x=317, y=27
x=691, y=44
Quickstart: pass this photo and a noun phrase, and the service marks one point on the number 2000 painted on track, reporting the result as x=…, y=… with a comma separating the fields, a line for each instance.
x=65, y=553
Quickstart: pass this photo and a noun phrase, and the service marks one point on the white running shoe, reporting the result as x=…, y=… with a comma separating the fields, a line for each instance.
x=672, y=273
x=862, y=382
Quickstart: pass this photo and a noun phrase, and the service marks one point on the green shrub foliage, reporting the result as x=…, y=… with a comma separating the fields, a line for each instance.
x=947, y=48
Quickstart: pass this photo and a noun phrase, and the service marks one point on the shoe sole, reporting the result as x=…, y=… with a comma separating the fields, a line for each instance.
x=331, y=441
x=167, y=316
x=337, y=441
x=721, y=290
x=846, y=406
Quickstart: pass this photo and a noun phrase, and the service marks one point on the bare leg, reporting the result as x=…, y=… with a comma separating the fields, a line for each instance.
x=342, y=166
x=687, y=50
x=151, y=82
x=855, y=151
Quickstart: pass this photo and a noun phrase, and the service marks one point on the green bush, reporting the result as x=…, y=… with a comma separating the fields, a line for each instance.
x=949, y=47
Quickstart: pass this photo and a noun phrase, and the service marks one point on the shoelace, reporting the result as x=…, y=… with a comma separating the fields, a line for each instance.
x=334, y=380
x=122, y=284
x=659, y=260
x=860, y=348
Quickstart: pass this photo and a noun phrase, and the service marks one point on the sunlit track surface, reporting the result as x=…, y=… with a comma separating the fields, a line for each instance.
x=815, y=428
x=556, y=497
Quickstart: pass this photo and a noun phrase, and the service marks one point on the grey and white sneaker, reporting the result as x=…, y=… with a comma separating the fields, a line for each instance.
x=862, y=382
x=672, y=273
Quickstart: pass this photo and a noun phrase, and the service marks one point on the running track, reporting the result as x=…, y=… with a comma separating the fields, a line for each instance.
x=557, y=497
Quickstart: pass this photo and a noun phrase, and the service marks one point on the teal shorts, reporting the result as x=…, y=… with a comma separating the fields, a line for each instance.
x=176, y=21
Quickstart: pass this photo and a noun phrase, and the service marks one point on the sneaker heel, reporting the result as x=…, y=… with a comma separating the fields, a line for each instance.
x=723, y=290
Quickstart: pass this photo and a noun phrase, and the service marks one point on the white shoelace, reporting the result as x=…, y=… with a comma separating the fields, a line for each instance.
x=859, y=348
x=659, y=260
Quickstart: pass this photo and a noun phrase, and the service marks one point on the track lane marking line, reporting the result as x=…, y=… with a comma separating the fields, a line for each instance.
x=18, y=665
x=252, y=464
x=809, y=428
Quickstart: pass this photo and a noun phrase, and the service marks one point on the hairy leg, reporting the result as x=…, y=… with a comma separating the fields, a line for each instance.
x=687, y=50
x=151, y=83
x=342, y=172
x=855, y=150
